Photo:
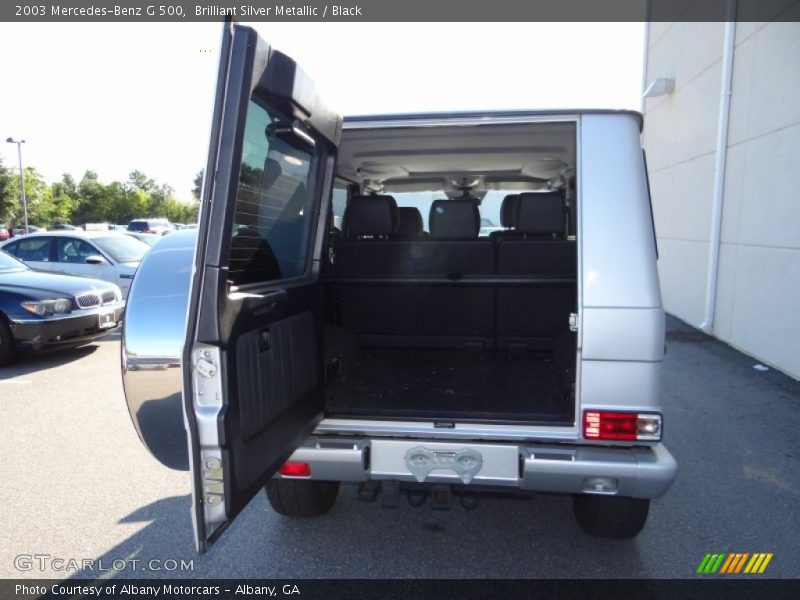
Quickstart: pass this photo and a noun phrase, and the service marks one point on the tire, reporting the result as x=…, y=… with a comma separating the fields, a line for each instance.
x=6, y=342
x=293, y=498
x=610, y=516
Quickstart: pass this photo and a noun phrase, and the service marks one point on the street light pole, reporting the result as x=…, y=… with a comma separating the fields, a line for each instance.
x=21, y=180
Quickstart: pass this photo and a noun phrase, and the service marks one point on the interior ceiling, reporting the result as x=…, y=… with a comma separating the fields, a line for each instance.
x=481, y=157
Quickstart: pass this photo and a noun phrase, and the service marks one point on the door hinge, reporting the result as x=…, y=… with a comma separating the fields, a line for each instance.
x=573, y=322
x=213, y=482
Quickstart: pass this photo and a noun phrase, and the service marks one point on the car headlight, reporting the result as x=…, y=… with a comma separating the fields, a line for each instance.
x=48, y=307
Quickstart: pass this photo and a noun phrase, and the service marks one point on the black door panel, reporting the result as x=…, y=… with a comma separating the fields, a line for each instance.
x=275, y=365
x=256, y=297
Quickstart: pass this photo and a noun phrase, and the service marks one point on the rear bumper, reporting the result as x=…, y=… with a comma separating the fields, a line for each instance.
x=641, y=472
x=78, y=327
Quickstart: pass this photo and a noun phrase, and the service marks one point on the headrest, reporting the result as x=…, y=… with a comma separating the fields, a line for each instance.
x=371, y=216
x=541, y=213
x=507, y=209
x=457, y=219
x=409, y=222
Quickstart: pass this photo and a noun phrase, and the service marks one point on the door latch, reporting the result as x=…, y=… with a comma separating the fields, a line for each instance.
x=206, y=368
x=573, y=322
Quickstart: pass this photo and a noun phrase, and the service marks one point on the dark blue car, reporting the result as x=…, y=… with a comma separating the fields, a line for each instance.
x=44, y=310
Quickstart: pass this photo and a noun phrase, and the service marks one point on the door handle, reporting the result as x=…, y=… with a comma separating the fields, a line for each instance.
x=260, y=303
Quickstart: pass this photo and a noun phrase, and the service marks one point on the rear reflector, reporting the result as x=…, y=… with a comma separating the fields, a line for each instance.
x=623, y=426
x=293, y=468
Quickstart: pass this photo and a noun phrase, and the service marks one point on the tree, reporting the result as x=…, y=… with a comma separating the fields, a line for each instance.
x=139, y=181
x=197, y=188
x=90, y=200
x=37, y=201
x=9, y=199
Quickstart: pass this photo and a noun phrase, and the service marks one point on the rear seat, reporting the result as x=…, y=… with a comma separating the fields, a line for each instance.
x=409, y=225
x=507, y=214
x=398, y=293
x=533, y=314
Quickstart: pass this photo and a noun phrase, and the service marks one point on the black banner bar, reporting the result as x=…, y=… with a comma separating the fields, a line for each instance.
x=399, y=10
x=732, y=588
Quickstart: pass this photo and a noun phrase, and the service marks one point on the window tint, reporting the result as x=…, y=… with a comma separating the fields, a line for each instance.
x=71, y=250
x=274, y=209
x=35, y=249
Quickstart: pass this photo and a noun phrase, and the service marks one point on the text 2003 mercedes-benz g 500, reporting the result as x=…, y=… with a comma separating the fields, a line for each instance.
x=457, y=302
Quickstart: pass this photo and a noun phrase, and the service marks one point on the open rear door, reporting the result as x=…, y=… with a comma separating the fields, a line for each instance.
x=252, y=363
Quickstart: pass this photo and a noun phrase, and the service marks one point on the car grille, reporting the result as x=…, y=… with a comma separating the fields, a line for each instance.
x=92, y=299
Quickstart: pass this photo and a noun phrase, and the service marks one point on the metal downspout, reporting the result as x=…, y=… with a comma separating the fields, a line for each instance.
x=719, y=171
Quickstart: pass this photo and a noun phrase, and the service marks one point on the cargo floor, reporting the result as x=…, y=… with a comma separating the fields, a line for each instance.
x=450, y=386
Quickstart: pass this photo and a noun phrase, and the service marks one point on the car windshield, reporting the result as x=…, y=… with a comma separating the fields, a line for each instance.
x=9, y=263
x=122, y=248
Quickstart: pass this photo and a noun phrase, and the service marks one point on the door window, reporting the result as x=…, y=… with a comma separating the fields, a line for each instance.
x=274, y=209
x=75, y=251
x=33, y=250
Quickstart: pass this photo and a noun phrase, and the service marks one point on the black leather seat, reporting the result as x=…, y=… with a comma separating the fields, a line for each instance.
x=534, y=313
x=507, y=215
x=409, y=226
x=371, y=217
x=396, y=293
x=457, y=219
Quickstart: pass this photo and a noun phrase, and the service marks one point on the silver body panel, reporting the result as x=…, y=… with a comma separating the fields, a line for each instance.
x=620, y=347
x=621, y=331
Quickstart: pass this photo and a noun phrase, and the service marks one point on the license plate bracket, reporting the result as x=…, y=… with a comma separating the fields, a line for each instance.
x=421, y=461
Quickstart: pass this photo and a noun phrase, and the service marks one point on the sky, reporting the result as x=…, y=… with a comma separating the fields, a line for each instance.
x=118, y=97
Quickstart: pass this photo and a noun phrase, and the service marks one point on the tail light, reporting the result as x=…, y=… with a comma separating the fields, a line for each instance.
x=293, y=468
x=621, y=426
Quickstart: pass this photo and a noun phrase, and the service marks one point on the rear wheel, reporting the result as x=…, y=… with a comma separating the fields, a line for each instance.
x=295, y=498
x=6, y=342
x=610, y=516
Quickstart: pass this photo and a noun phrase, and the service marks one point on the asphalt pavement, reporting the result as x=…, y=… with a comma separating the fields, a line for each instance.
x=78, y=484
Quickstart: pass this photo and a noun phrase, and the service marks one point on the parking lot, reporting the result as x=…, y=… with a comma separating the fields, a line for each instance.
x=78, y=484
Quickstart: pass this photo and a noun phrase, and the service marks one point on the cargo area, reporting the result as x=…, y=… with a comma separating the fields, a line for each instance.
x=442, y=386
x=451, y=274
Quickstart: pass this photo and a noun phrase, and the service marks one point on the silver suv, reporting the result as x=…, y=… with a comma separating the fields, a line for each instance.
x=323, y=326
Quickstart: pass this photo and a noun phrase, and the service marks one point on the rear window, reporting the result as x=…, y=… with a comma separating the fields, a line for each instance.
x=138, y=226
x=33, y=249
x=274, y=206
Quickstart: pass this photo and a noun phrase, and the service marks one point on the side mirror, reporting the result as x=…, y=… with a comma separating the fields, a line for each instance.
x=95, y=259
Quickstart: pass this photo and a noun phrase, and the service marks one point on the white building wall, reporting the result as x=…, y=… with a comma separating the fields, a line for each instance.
x=758, y=288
